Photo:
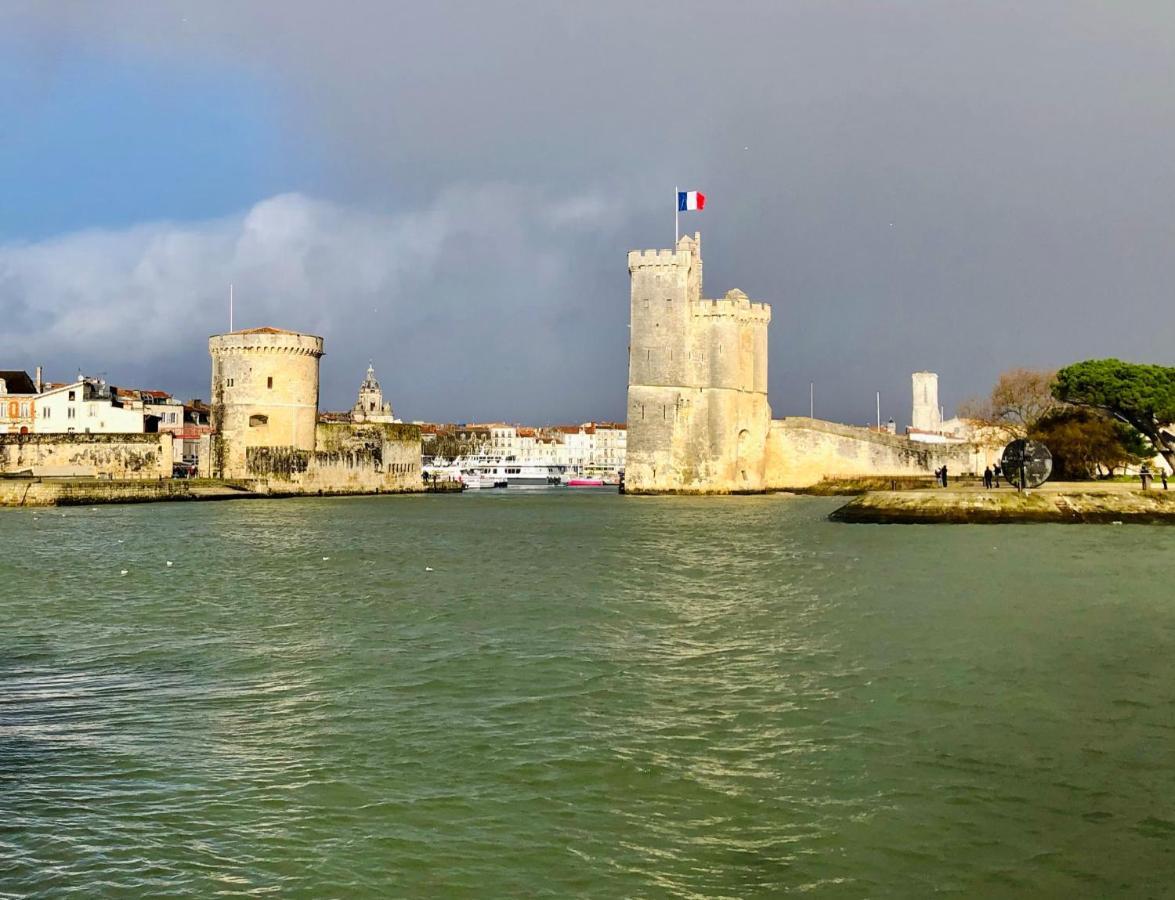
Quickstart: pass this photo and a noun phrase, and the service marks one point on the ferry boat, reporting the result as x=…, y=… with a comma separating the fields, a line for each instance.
x=497, y=471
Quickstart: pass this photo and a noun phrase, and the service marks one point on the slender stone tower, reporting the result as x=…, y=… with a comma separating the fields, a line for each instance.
x=927, y=415
x=264, y=394
x=698, y=416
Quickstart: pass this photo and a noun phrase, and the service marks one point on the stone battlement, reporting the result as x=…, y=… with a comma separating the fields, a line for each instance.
x=742, y=310
x=687, y=253
x=638, y=259
x=265, y=341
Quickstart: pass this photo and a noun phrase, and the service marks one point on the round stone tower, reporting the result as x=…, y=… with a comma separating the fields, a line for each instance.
x=264, y=394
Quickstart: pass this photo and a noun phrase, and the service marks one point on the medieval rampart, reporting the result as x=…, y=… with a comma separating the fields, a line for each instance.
x=802, y=451
x=365, y=459
x=116, y=456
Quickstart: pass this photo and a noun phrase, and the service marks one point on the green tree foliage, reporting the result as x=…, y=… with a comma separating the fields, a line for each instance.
x=1143, y=396
x=449, y=446
x=1084, y=441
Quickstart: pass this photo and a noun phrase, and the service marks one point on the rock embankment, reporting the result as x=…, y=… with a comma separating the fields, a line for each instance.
x=1068, y=503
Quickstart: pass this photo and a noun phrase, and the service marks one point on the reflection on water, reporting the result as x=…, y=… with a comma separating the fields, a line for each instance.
x=579, y=694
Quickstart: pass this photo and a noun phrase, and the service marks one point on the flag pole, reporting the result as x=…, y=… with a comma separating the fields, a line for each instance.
x=676, y=230
x=230, y=306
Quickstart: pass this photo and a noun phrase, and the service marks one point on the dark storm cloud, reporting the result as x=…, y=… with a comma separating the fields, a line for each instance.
x=961, y=187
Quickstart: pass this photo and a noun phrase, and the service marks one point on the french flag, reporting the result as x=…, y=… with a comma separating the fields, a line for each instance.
x=687, y=200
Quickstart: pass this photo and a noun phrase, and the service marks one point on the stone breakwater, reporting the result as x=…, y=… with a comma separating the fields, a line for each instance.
x=1073, y=503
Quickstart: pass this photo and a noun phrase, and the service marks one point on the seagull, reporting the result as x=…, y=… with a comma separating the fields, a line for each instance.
x=428, y=568
x=325, y=558
x=123, y=571
x=169, y=563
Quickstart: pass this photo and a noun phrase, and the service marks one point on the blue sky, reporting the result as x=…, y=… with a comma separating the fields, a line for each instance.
x=104, y=141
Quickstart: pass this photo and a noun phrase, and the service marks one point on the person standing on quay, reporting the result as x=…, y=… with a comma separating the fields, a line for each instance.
x=987, y=478
x=944, y=475
x=1163, y=475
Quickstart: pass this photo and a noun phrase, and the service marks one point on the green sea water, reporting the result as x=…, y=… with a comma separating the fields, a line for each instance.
x=551, y=694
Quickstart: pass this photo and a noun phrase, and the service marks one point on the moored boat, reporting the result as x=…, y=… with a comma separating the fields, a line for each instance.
x=496, y=471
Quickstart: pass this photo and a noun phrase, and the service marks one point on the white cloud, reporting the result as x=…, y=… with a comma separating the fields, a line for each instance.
x=462, y=305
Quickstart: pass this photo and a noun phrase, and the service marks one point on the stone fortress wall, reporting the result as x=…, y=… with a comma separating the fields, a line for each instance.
x=112, y=456
x=803, y=451
x=367, y=459
x=698, y=415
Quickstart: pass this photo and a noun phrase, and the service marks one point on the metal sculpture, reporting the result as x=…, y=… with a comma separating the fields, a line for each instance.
x=1026, y=464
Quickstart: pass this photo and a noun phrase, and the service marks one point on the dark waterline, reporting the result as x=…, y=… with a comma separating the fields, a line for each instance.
x=587, y=695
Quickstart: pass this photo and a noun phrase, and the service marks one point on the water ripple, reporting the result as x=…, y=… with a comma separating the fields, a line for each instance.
x=585, y=696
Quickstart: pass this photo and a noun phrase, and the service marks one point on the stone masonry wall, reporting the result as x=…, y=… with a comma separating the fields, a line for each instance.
x=366, y=459
x=117, y=456
x=802, y=451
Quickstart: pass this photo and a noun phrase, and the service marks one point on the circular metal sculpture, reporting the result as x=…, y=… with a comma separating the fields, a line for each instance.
x=1026, y=464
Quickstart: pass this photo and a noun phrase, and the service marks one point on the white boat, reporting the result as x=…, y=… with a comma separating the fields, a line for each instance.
x=498, y=471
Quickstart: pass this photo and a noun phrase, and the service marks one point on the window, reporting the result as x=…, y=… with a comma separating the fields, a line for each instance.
x=269, y=382
x=258, y=420
x=645, y=303
x=71, y=413
x=45, y=410
x=24, y=409
x=230, y=382
x=73, y=395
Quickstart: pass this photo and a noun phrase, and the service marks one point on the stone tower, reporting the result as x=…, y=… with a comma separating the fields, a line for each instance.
x=927, y=415
x=370, y=406
x=698, y=417
x=264, y=394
